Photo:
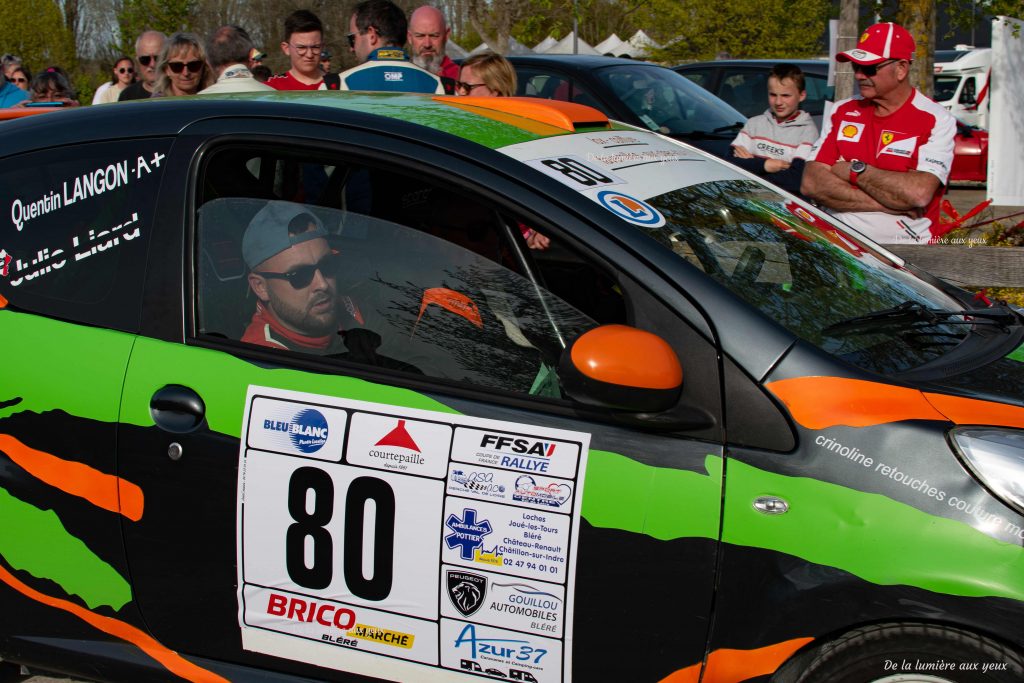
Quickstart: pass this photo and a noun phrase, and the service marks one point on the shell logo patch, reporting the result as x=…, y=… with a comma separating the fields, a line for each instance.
x=631, y=209
x=863, y=37
x=896, y=143
x=850, y=131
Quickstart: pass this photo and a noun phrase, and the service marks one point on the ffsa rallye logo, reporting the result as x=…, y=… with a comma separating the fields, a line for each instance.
x=520, y=453
x=307, y=430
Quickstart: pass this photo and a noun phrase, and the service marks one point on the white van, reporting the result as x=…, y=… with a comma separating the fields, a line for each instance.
x=961, y=83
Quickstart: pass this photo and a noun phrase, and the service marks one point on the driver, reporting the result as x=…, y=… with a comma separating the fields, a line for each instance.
x=293, y=275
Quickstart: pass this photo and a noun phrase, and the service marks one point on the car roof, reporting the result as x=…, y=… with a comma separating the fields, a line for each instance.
x=580, y=62
x=815, y=66
x=492, y=122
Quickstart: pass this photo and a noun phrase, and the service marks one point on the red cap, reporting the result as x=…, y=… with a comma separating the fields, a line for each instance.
x=879, y=43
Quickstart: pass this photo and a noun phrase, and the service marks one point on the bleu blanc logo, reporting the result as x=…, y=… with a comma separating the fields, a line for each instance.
x=307, y=430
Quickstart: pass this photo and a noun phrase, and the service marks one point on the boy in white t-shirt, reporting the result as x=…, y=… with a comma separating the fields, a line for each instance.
x=775, y=144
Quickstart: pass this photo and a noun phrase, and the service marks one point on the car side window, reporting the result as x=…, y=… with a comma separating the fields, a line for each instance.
x=78, y=223
x=747, y=91
x=555, y=87
x=818, y=92
x=420, y=278
x=701, y=77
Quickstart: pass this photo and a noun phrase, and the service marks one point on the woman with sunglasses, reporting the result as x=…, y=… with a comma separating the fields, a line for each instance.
x=123, y=76
x=486, y=75
x=182, y=67
x=21, y=77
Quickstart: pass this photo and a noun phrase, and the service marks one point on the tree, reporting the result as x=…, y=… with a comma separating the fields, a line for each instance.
x=493, y=20
x=167, y=16
x=35, y=31
x=696, y=29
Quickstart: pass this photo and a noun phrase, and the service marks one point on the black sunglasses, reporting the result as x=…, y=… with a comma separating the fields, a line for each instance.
x=145, y=60
x=126, y=70
x=468, y=87
x=194, y=66
x=301, y=277
x=351, y=38
x=872, y=69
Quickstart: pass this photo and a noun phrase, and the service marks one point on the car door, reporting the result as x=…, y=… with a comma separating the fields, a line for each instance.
x=72, y=263
x=410, y=506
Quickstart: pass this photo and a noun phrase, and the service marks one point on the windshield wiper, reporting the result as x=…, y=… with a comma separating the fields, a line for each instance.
x=731, y=126
x=916, y=314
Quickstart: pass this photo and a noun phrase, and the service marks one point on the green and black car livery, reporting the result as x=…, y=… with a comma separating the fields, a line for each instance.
x=707, y=435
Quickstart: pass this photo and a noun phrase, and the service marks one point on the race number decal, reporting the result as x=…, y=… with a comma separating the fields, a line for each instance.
x=575, y=172
x=404, y=543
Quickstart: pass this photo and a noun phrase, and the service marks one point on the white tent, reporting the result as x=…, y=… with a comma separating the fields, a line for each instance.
x=455, y=51
x=565, y=47
x=545, y=45
x=640, y=44
x=514, y=48
x=612, y=45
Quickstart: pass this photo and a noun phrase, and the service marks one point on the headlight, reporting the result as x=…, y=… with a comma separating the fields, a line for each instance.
x=996, y=457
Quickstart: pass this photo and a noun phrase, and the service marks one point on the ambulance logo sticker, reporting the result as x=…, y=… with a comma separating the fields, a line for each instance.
x=631, y=209
x=851, y=131
x=466, y=591
x=467, y=533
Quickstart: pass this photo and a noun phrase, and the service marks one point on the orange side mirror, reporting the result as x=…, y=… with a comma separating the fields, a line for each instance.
x=622, y=367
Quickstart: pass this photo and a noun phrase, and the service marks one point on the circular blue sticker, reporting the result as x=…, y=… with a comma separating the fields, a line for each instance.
x=308, y=430
x=631, y=209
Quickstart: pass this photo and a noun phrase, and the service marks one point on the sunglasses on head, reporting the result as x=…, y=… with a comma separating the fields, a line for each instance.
x=146, y=60
x=872, y=69
x=195, y=66
x=302, y=276
x=126, y=70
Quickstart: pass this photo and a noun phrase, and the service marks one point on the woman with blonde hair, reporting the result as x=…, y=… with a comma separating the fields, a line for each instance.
x=182, y=67
x=486, y=75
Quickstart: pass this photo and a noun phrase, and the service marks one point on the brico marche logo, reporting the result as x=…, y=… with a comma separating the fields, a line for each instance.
x=523, y=454
x=307, y=430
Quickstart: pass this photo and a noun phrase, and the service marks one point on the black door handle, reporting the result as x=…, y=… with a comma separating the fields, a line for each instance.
x=177, y=409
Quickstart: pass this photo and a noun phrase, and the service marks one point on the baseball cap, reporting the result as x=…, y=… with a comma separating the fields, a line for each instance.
x=267, y=234
x=879, y=43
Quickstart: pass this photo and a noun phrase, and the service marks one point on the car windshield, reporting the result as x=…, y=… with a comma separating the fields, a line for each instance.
x=803, y=273
x=669, y=103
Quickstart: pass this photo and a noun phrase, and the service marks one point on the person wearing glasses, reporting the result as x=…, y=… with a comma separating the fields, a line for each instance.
x=881, y=162
x=292, y=272
x=183, y=69
x=303, y=43
x=147, y=53
x=227, y=52
x=10, y=94
x=486, y=75
x=123, y=76
x=21, y=77
x=377, y=32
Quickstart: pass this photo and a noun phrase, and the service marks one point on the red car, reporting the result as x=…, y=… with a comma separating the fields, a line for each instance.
x=970, y=154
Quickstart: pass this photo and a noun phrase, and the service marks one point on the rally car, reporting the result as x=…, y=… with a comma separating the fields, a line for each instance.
x=706, y=434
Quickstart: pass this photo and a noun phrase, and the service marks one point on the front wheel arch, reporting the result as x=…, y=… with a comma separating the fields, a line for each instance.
x=859, y=656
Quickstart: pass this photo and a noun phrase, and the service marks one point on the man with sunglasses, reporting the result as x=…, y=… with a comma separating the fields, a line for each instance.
x=147, y=53
x=292, y=272
x=881, y=162
x=377, y=32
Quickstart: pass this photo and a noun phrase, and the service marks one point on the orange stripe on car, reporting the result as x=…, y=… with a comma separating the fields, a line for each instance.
x=105, y=491
x=171, y=660
x=822, y=402
x=731, y=666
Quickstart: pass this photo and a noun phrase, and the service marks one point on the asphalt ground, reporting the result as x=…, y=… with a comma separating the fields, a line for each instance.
x=963, y=197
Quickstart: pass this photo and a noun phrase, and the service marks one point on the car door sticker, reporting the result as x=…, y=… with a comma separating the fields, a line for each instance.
x=406, y=543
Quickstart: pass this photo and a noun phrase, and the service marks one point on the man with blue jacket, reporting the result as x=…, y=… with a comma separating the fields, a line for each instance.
x=377, y=32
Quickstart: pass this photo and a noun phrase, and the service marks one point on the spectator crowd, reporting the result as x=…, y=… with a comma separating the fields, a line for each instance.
x=185, y=64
